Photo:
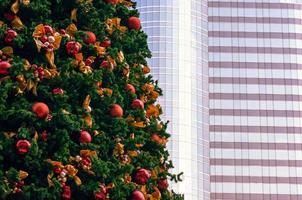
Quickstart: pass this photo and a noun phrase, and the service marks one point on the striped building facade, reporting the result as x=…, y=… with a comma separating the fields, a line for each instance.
x=177, y=36
x=255, y=91
x=231, y=71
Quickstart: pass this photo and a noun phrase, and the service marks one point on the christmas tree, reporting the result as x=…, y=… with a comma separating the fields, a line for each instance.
x=78, y=111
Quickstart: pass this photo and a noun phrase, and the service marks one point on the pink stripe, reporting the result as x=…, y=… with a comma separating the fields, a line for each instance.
x=256, y=179
x=254, y=65
x=243, y=112
x=255, y=145
x=275, y=35
x=255, y=129
x=263, y=97
x=256, y=162
x=238, y=196
x=218, y=4
x=264, y=50
x=265, y=81
x=264, y=20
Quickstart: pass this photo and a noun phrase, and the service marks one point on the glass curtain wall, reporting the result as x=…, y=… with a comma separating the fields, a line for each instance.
x=177, y=31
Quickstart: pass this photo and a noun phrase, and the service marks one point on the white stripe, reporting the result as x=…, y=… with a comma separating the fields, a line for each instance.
x=254, y=12
x=255, y=73
x=255, y=57
x=185, y=67
x=263, y=1
x=255, y=89
x=219, y=170
x=255, y=121
x=255, y=154
x=256, y=188
x=255, y=137
x=255, y=105
x=252, y=27
x=255, y=42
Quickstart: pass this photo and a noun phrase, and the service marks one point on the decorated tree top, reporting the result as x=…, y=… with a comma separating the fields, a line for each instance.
x=78, y=112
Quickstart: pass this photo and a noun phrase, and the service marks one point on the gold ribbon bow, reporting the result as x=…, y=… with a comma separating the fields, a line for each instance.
x=132, y=122
x=119, y=149
x=114, y=24
x=71, y=30
x=86, y=106
x=17, y=23
x=127, y=3
x=70, y=171
x=88, y=153
x=156, y=195
x=40, y=32
x=153, y=111
x=104, y=91
x=26, y=84
x=15, y=7
x=100, y=50
x=150, y=93
x=79, y=62
x=22, y=175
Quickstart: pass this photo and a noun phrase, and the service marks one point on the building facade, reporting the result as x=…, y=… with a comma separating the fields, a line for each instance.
x=177, y=36
x=255, y=77
x=232, y=91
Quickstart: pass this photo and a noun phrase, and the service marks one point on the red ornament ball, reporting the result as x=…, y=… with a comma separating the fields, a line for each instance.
x=102, y=193
x=62, y=31
x=44, y=39
x=4, y=66
x=137, y=195
x=105, y=64
x=73, y=47
x=41, y=110
x=142, y=176
x=137, y=104
x=85, y=137
x=116, y=111
x=106, y=43
x=48, y=29
x=88, y=62
x=90, y=38
x=57, y=170
x=134, y=23
x=113, y=2
x=66, y=192
x=99, y=195
x=9, y=16
x=23, y=146
x=163, y=184
x=130, y=88
x=59, y=91
x=44, y=136
x=10, y=35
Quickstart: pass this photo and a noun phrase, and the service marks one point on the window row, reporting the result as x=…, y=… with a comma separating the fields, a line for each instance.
x=255, y=105
x=256, y=188
x=255, y=89
x=255, y=12
x=256, y=73
x=256, y=121
x=255, y=57
x=284, y=171
x=255, y=42
x=252, y=27
x=255, y=154
x=255, y=137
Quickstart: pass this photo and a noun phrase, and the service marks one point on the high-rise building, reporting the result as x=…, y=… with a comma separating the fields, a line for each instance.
x=242, y=60
x=177, y=31
x=255, y=78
